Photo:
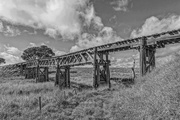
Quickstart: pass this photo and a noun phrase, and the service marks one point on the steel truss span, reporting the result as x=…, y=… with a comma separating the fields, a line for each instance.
x=98, y=57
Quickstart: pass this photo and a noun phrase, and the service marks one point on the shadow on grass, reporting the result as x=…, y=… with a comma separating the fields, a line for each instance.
x=125, y=81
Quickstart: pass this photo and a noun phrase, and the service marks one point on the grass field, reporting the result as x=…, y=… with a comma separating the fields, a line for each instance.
x=153, y=97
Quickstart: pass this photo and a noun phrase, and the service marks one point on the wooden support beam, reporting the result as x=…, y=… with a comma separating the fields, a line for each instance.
x=21, y=70
x=101, y=57
x=37, y=72
x=34, y=73
x=67, y=77
x=95, y=69
x=46, y=74
x=151, y=59
x=147, y=57
x=98, y=75
x=26, y=73
x=143, y=57
x=61, y=79
x=57, y=75
x=69, y=81
x=107, y=70
x=154, y=58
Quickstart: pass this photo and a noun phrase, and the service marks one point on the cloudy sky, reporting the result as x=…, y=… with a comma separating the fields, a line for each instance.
x=71, y=25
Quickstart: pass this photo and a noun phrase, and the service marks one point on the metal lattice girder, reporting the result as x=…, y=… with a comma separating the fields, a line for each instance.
x=86, y=56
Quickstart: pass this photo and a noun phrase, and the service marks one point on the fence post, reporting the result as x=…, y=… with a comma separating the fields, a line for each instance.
x=40, y=107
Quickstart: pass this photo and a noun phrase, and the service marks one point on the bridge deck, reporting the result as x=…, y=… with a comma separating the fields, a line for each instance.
x=86, y=56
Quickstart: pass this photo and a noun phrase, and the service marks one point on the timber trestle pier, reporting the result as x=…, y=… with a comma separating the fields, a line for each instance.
x=98, y=57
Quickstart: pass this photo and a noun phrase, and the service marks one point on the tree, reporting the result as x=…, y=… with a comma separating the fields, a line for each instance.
x=2, y=60
x=37, y=53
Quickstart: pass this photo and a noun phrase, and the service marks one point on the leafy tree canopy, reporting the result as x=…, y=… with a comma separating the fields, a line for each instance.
x=2, y=60
x=37, y=53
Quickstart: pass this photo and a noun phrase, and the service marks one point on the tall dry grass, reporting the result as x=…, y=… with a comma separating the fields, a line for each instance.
x=153, y=97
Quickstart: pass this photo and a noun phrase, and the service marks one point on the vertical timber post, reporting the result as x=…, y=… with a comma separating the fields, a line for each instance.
x=46, y=74
x=26, y=73
x=37, y=72
x=143, y=57
x=60, y=79
x=21, y=70
x=68, y=77
x=107, y=70
x=98, y=75
x=95, y=69
x=148, y=55
x=34, y=73
x=151, y=59
x=65, y=77
x=57, y=73
x=154, y=59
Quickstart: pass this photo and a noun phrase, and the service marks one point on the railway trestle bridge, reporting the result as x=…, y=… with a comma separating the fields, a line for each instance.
x=98, y=57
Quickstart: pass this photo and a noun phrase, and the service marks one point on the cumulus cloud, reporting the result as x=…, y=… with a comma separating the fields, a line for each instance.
x=120, y=5
x=58, y=53
x=155, y=25
x=64, y=18
x=12, y=50
x=10, y=59
x=10, y=54
x=9, y=30
x=106, y=35
x=30, y=33
x=32, y=45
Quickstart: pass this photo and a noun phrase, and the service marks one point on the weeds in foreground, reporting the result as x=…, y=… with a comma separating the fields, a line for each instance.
x=153, y=97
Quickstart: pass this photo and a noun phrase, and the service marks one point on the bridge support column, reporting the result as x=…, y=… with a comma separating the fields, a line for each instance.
x=34, y=73
x=57, y=75
x=147, y=58
x=143, y=57
x=63, y=77
x=108, y=71
x=37, y=74
x=21, y=70
x=95, y=70
x=151, y=61
x=46, y=72
x=67, y=78
x=28, y=73
x=42, y=74
x=101, y=69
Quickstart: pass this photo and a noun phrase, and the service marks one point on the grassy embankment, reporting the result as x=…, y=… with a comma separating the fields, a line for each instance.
x=153, y=97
